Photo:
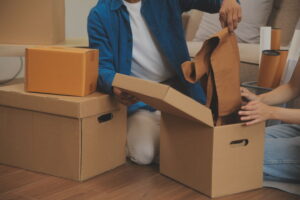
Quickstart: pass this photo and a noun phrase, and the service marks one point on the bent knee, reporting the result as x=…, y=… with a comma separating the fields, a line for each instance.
x=142, y=156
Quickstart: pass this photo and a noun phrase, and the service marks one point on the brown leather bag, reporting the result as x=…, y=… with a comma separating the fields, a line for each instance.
x=217, y=67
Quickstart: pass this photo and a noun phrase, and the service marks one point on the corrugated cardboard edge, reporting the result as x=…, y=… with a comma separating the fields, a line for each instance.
x=184, y=105
x=92, y=56
x=84, y=75
x=75, y=107
x=26, y=69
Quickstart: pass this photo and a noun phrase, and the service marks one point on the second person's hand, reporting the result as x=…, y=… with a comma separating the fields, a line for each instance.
x=256, y=112
x=249, y=96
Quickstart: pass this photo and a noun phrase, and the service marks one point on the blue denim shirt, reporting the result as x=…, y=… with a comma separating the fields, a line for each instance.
x=109, y=31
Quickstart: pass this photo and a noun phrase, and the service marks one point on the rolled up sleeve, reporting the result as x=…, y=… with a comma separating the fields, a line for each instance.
x=210, y=6
x=98, y=39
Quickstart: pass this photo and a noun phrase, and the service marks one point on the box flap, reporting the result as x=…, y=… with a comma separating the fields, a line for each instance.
x=164, y=98
x=77, y=107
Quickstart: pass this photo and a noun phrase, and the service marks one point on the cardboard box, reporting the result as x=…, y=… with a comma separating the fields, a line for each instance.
x=71, y=137
x=32, y=21
x=216, y=161
x=61, y=70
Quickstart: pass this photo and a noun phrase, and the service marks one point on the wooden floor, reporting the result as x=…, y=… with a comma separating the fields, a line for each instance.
x=128, y=182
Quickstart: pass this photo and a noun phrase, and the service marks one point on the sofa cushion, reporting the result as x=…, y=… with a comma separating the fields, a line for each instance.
x=255, y=14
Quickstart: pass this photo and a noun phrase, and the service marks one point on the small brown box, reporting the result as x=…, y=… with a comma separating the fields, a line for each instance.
x=61, y=70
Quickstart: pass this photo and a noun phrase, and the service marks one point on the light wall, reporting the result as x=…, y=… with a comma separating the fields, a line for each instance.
x=76, y=23
x=76, y=17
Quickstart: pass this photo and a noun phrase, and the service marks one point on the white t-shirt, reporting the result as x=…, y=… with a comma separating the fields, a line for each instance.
x=147, y=60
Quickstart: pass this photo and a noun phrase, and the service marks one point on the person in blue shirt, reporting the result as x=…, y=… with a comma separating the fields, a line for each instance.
x=145, y=39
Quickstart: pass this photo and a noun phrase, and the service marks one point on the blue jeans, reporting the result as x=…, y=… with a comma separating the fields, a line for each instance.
x=282, y=153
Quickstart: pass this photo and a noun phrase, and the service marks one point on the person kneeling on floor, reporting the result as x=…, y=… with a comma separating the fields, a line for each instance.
x=145, y=39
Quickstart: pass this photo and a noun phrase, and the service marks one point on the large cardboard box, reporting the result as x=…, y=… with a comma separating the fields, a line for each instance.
x=71, y=137
x=32, y=21
x=61, y=70
x=216, y=161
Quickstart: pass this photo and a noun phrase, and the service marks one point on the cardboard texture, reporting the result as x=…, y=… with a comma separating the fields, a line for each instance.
x=32, y=21
x=216, y=161
x=268, y=67
x=275, y=38
x=71, y=137
x=61, y=70
x=217, y=68
x=280, y=68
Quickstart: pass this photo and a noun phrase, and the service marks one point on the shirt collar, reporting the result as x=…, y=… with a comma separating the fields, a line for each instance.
x=116, y=4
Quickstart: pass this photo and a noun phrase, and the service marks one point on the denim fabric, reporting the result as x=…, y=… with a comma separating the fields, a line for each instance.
x=282, y=153
x=109, y=31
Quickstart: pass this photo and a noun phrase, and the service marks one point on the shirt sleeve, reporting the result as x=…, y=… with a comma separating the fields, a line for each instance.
x=210, y=6
x=98, y=39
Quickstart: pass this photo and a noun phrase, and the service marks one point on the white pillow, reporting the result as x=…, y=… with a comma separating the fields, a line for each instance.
x=255, y=13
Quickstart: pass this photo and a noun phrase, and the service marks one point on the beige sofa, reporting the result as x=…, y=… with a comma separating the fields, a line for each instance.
x=284, y=15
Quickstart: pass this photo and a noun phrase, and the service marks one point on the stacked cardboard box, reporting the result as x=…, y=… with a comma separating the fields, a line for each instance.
x=65, y=136
x=61, y=70
x=70, y=137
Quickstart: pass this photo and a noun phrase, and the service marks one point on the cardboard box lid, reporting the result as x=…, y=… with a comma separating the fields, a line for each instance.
x=61, y=49
x=164, y=98
x=76, y=107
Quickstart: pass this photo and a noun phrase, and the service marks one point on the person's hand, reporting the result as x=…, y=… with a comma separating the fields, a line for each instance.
x=230, y=14
x=247, y=95
x=255, y=112
x=124, y=97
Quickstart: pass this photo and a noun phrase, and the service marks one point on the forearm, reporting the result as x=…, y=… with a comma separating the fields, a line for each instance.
x=287, y=115
x=99, y=39
x=280, y=95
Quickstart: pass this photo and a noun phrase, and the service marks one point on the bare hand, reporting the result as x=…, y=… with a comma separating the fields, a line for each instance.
x=255, y=112
x=230, y=14
x=124, y=97
x=245, y=93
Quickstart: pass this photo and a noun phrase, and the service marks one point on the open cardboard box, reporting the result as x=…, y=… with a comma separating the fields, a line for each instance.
x=71, y=137
x=216, y=161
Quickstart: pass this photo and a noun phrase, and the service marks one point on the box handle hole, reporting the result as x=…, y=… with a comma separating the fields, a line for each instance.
x=237, y=143
x=105, y=118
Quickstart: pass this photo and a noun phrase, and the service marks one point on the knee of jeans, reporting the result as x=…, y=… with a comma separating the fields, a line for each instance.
x=142, y=156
